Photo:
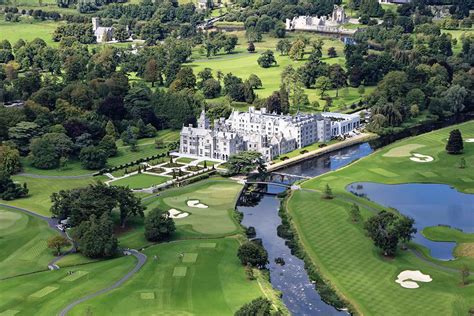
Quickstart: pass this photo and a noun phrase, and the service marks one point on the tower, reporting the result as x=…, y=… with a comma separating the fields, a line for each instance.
x=203, y=121
x=95, y=24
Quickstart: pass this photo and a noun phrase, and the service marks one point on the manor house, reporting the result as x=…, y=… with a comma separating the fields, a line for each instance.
x=270, y=134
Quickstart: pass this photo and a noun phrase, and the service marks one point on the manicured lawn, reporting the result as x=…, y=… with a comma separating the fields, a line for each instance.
x=185, y=160
x=208, y=163
x=140, y=181
x=23, y=243
x=38, y=199
x=348, y=258
x=16, y=294
x=216, y=220
x=215, y=284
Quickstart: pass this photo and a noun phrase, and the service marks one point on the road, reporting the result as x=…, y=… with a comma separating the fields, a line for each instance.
x=141, y=261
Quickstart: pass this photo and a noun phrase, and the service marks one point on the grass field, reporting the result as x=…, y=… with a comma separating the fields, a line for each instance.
x=140, y=181
x=216, y=220
x=242, y=64
x=38, y=199
x=28, y=31
x=46, y=293
x=23, y=242
x=348, y=258
x=215, y=284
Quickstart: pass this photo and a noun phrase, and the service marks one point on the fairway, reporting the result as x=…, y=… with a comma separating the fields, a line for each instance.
x=213, y=285
x=358, y=271
x=23, y=243
x=75, y=276
x=140, y=181
x=190, y=257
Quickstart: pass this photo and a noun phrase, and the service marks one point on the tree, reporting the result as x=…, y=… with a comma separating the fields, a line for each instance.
x=273, y=103
x=251, y=47
x=211, y=88
x=121, y=33
x=49, y=148
x=462, y=163
x=338, y=77
x=455, y=142
x=355, y=213
x=93, y=157
x=110, y=130
x=254, y=81
x=386, y=230
x=128, y=203
x=22, y=133
x=332, y=53
x=245, y=162
x=323, y=83
x=253, y=254
x=57, y=242
x=10, y=190
x=158, y=225
x=151, y=71
x=465, y=275
x=95, y=237
x=9, y=159
x=283, y=46
x=108, y=145
x=361, y=90
x=297, y=50
x=328, y=193
x=414, y=110
x=258, y=307
x=267, y=59
x=185, y=79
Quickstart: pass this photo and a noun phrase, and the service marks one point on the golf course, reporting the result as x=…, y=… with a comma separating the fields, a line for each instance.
x=347, y=258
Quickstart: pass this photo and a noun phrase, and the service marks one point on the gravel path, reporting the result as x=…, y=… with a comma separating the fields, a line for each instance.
x=141, y=261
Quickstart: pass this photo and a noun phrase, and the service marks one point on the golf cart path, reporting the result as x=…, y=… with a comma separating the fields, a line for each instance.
x=141, y=261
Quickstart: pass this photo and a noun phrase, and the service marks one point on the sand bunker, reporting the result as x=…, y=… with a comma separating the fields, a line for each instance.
x=174, y=213
x=421, y=158
x=469, y=140
x=408, y=279
x=402, y=151
x=196, y=204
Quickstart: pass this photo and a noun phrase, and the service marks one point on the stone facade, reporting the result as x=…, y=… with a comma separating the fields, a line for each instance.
x=330, y=23
x=256, y=130
x=102, y=34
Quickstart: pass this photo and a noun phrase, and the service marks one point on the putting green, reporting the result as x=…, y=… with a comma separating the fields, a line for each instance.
x=147, y=296
x=190, y=257
x=8, y=219
x=75, y=276
x=210, y=245
x=347, y=257
x=180, y=271
x=402, y=151
x=43, y=292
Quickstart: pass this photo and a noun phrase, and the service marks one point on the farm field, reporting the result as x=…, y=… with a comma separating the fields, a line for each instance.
x=208, y=272
x=28, y=31
x=358, y=271
x=140, y=181
x=23, y=240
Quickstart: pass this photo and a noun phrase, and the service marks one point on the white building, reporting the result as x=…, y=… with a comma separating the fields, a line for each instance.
x=342, y=124
x=315, y=23
x=256, y=130
x=102, y=34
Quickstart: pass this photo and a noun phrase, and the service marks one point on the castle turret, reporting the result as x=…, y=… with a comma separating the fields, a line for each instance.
x=95, y=24
x=203, y=121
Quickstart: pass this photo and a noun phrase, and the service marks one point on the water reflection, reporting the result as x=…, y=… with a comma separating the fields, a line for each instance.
x=428, y=204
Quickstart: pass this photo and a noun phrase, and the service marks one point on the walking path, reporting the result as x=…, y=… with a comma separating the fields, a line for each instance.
x=141, y=261
x=39, y=176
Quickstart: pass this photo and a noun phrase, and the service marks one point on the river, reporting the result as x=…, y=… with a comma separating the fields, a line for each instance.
x=291, y=278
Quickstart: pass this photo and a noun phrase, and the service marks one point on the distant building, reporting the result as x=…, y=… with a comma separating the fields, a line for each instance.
x=394, y=1
x=102, y=34
x=205, y=4
x=324, y=23
x=256, y=130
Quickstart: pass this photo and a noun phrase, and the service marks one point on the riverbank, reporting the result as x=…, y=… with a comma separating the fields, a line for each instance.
x=347, y=257
x=358, y=139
